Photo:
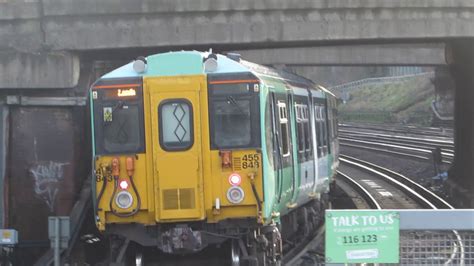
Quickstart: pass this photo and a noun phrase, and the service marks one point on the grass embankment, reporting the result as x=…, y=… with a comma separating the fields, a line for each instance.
x=406, y=102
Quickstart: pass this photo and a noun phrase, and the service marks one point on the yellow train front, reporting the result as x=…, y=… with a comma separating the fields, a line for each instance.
x=177, y=145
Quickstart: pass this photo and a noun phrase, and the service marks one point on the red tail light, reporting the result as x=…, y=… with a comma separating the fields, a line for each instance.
x=235, y=179
x=123, y=184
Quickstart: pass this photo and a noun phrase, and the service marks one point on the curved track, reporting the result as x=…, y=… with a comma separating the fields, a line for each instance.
x=415, y=191
x=390, y=191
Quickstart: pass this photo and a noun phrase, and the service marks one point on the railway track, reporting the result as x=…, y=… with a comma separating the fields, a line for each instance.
x=295, y=257
x=398, y=145
x=380, y=188
x=399, y=129
x=426, y=142
x=371, y=192
x=389, y=190
x=385, y=184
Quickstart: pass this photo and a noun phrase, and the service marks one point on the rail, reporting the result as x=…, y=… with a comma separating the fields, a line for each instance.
x=399, y=128
x=295, y=257
x=404, y=145
x=438, y=115
x=363, y=192
x=425, y=197
x=434, y=200
x=403, y=150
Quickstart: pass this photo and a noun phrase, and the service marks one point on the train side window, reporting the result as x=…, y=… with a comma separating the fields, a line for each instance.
x=318, y=130
x=285, y=140
x=324, y=119
x=307, y=139
x=176, y=125
x=303, y=131
x=300, y=128
x=323, y=130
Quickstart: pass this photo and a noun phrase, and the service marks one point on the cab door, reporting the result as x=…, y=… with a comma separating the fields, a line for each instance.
x=176, y=133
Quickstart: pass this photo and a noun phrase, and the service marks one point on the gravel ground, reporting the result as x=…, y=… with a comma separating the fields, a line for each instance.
x=418, y=170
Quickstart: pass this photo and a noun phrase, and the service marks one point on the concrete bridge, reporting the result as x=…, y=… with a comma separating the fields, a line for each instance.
x=35, y=25
x=51, y=37
x=52, y=43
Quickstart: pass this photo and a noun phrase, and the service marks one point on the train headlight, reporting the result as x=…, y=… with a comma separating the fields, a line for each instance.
x=235, y=194
x=210, y=63
x=124, y=200
x=140, y=65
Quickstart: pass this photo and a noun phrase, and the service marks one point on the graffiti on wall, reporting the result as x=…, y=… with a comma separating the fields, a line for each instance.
x=47, y=176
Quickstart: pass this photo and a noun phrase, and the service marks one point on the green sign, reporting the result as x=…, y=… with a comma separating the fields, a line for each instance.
x=354, y=236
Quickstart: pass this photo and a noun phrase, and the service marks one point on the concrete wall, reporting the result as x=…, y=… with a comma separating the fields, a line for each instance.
x=101, y=24
x=38, y=70
x=329, y=76
x=371, y=54
x=40, y=28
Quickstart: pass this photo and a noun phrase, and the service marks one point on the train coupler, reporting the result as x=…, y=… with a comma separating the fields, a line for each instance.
x=180, y=240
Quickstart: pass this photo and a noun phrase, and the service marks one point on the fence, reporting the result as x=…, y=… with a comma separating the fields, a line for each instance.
x=437, y=237
x=381, y=80
x=367, y=116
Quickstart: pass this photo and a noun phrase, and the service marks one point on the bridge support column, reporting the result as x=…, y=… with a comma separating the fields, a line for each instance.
x=38, y=70
x=461, y=176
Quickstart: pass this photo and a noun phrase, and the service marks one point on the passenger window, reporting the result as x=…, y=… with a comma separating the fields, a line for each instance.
x=300, y=128
x=176, y=125
x=320, y=132
x=316, y=126
x=283, y=115
x=325, y=127
x=307, y=139
x=303, y=131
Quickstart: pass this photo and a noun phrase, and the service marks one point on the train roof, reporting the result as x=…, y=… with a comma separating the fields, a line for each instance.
x=191, y=63
x=178, y=63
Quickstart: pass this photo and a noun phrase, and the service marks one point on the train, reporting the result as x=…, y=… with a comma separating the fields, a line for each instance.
x=196, y=149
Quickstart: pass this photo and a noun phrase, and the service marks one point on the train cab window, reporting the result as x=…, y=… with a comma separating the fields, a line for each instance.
x=232, y=127
x=121, y=131
x=285, y=138
x=118, y=119
x=176, y=125
x=234, y=116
